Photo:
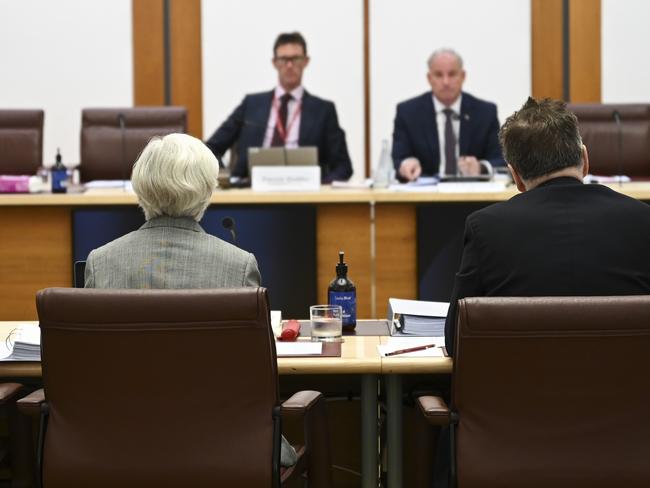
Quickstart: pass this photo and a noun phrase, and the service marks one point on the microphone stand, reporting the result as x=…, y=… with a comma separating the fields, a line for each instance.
x=228, y=223
x=121, y=120
x=619, y=133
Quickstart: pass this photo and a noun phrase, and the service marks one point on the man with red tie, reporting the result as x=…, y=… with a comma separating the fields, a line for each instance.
x=287, y=116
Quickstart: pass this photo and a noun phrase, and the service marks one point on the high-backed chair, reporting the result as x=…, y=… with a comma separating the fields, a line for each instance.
x=166, y=388
x=21, y=141
x=103, y=130
x=600, y=130
x=550, y=392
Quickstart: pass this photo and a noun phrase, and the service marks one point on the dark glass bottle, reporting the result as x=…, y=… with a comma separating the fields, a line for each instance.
x=59, y=175
x=343, y=292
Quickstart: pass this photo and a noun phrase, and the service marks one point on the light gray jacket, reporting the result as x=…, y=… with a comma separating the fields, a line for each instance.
x=170, y=252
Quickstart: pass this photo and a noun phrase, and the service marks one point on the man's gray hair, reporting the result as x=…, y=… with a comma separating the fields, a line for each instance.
x=175, y=176
x=444, y=50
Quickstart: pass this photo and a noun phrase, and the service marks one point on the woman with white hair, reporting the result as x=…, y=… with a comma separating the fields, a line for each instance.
x=174, y=178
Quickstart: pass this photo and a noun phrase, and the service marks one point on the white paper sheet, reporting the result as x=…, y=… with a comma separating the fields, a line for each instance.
x=399, y=343
x=299, y=348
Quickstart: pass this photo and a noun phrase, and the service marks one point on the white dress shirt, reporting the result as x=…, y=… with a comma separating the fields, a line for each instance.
x=293, y=119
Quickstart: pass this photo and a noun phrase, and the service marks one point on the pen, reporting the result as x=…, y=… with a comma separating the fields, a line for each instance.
x=410, y=349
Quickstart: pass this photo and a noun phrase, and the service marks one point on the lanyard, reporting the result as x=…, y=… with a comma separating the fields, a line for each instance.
x=284, y=133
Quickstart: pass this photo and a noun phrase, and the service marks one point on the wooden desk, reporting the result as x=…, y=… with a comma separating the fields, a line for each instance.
x=377, y=232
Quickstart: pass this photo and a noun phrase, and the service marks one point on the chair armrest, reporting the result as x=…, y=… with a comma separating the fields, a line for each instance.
x=8, y=391
x=435, y=410
x=300, y=402
x=31, y=404
x=310, y=407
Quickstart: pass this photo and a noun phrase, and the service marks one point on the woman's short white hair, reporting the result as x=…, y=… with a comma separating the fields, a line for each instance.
x=175, y=175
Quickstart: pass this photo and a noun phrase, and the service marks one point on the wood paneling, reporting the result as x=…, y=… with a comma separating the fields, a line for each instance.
x=344, y=228
x=585, y=50
x=36, y=252
x=546, y=18
x=148, y=53
x=185, y=57
x=396, y=245
x=186, y=68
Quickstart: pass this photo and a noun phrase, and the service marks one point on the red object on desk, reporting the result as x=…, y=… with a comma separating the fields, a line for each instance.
x=290, y=330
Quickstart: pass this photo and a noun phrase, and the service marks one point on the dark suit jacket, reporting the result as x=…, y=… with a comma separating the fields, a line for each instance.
x=562, y=238
x=415, y=133
x=319, y=126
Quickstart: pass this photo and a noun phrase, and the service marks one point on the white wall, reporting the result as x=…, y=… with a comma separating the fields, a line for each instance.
x=625, y=40
x=238, y=41
x=63, y=56
x=493, y=37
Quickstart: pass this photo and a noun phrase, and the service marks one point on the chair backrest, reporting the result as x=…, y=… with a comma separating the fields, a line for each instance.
x=21, y=141
x=158, y=388
x=552, y=392
x=101, y=137
x=600, y=133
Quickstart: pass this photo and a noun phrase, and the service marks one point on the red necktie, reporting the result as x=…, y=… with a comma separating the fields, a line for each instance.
x=278, y=138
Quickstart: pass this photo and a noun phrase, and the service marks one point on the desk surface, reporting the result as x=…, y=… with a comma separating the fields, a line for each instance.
x=117, y=196
x=359, y=355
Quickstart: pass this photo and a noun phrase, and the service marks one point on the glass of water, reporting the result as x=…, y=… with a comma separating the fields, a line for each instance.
x=326, y=322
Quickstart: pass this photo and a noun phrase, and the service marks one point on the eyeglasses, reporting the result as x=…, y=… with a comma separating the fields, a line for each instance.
x=284, y=60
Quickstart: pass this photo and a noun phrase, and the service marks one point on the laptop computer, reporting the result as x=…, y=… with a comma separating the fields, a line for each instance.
x=281, y=156
x=302, y=156
x=265, y=156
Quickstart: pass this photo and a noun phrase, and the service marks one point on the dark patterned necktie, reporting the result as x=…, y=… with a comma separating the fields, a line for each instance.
x=278, y=139
x=450, y=143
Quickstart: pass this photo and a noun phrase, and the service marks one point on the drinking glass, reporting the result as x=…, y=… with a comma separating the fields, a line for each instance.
x=326, y=322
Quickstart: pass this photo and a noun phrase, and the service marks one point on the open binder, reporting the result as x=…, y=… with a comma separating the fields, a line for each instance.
x=417, y=317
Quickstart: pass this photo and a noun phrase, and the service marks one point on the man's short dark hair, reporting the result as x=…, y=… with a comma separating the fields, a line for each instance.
x=541, y=138
x=290, y=38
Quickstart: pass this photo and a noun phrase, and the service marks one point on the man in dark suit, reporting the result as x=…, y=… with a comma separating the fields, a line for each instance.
x=559, y=236
x=287, y=116
x=445, y=131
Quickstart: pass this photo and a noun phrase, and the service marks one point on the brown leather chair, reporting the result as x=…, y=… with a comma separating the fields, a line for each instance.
x=600, y=133
x=550, y=392
x=166, y=388
x=101, y=137
x=21, y=141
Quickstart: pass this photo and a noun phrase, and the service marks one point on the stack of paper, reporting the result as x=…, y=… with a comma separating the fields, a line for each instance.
x=419, y=325
x=417, y=317
x=26, y=341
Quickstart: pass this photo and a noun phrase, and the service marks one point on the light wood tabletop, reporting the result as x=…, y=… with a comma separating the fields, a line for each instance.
x=359, y=355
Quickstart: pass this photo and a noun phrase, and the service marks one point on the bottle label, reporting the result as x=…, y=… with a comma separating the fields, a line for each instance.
x=348, y=302
x=59, y=180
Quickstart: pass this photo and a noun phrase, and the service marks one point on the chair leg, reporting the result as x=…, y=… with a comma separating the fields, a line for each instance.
x=21, y=449
x=319, y=462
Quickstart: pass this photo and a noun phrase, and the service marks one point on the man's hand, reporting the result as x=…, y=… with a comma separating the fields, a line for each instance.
x=410, y=169
x=469, y=166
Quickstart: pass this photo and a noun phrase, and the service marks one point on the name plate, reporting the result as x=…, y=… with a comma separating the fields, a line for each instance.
x=285, y=178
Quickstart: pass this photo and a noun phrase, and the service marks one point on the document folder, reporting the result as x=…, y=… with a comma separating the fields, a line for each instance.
x=417, y=317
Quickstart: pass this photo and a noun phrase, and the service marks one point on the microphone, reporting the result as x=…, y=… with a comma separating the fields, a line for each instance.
x=616, y=115
x=228, y=223
x=121, y=120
